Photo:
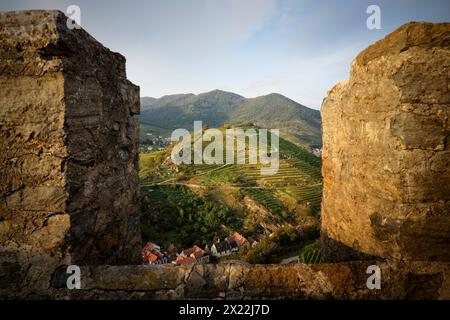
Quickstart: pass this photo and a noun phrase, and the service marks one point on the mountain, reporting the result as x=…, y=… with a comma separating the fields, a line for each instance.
x=147, y=101
x=296, y=122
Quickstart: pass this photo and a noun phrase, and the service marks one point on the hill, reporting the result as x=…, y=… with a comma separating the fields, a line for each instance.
x=194, y=204
x=296, y=122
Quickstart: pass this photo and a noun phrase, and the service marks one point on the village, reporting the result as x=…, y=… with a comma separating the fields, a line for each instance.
x=153, y=142
x=153, y=254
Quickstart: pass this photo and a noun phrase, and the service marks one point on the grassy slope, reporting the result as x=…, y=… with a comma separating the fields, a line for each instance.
x=276, y=111
x=238, y=196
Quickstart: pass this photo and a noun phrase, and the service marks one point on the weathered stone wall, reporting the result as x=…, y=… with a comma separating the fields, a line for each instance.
x=400, y=280
x=386, y=154
x=68, y=150
x=417, y=280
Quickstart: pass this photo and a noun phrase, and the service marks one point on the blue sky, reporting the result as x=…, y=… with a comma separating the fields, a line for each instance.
x=251, y=47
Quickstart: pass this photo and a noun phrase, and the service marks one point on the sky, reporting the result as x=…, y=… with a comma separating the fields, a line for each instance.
x=299, y=48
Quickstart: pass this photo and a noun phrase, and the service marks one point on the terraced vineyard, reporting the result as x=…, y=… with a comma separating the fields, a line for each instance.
x=298, y=176
x=295, y=177
x=311, y=254
x=311, y=195
x=276, y=200
x=266, y=198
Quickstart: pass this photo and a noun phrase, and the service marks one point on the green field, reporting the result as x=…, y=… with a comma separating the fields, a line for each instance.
x=185, y=198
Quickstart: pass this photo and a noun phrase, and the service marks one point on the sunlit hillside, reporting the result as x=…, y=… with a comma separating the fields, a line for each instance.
x=195, y=204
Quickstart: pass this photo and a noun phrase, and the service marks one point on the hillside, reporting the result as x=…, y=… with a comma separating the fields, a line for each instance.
x=194, y=204
x=296, y=122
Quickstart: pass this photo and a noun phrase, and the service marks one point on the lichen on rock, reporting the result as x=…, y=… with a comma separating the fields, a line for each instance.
x=386, y=156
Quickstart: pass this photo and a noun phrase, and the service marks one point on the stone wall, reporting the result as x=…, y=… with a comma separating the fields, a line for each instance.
x=386, y=154
x=399, y=280
x=68, y=150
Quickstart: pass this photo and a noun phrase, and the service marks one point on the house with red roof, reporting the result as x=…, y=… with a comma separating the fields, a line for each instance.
x=238, y=238
x=185, y=260
x=152, y=254
x=200, y=255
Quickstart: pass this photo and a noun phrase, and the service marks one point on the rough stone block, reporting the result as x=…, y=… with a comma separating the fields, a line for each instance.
x=386, y=162
x=67, y=117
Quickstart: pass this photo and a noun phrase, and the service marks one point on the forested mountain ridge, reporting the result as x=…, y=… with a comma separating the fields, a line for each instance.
x=296, y=122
